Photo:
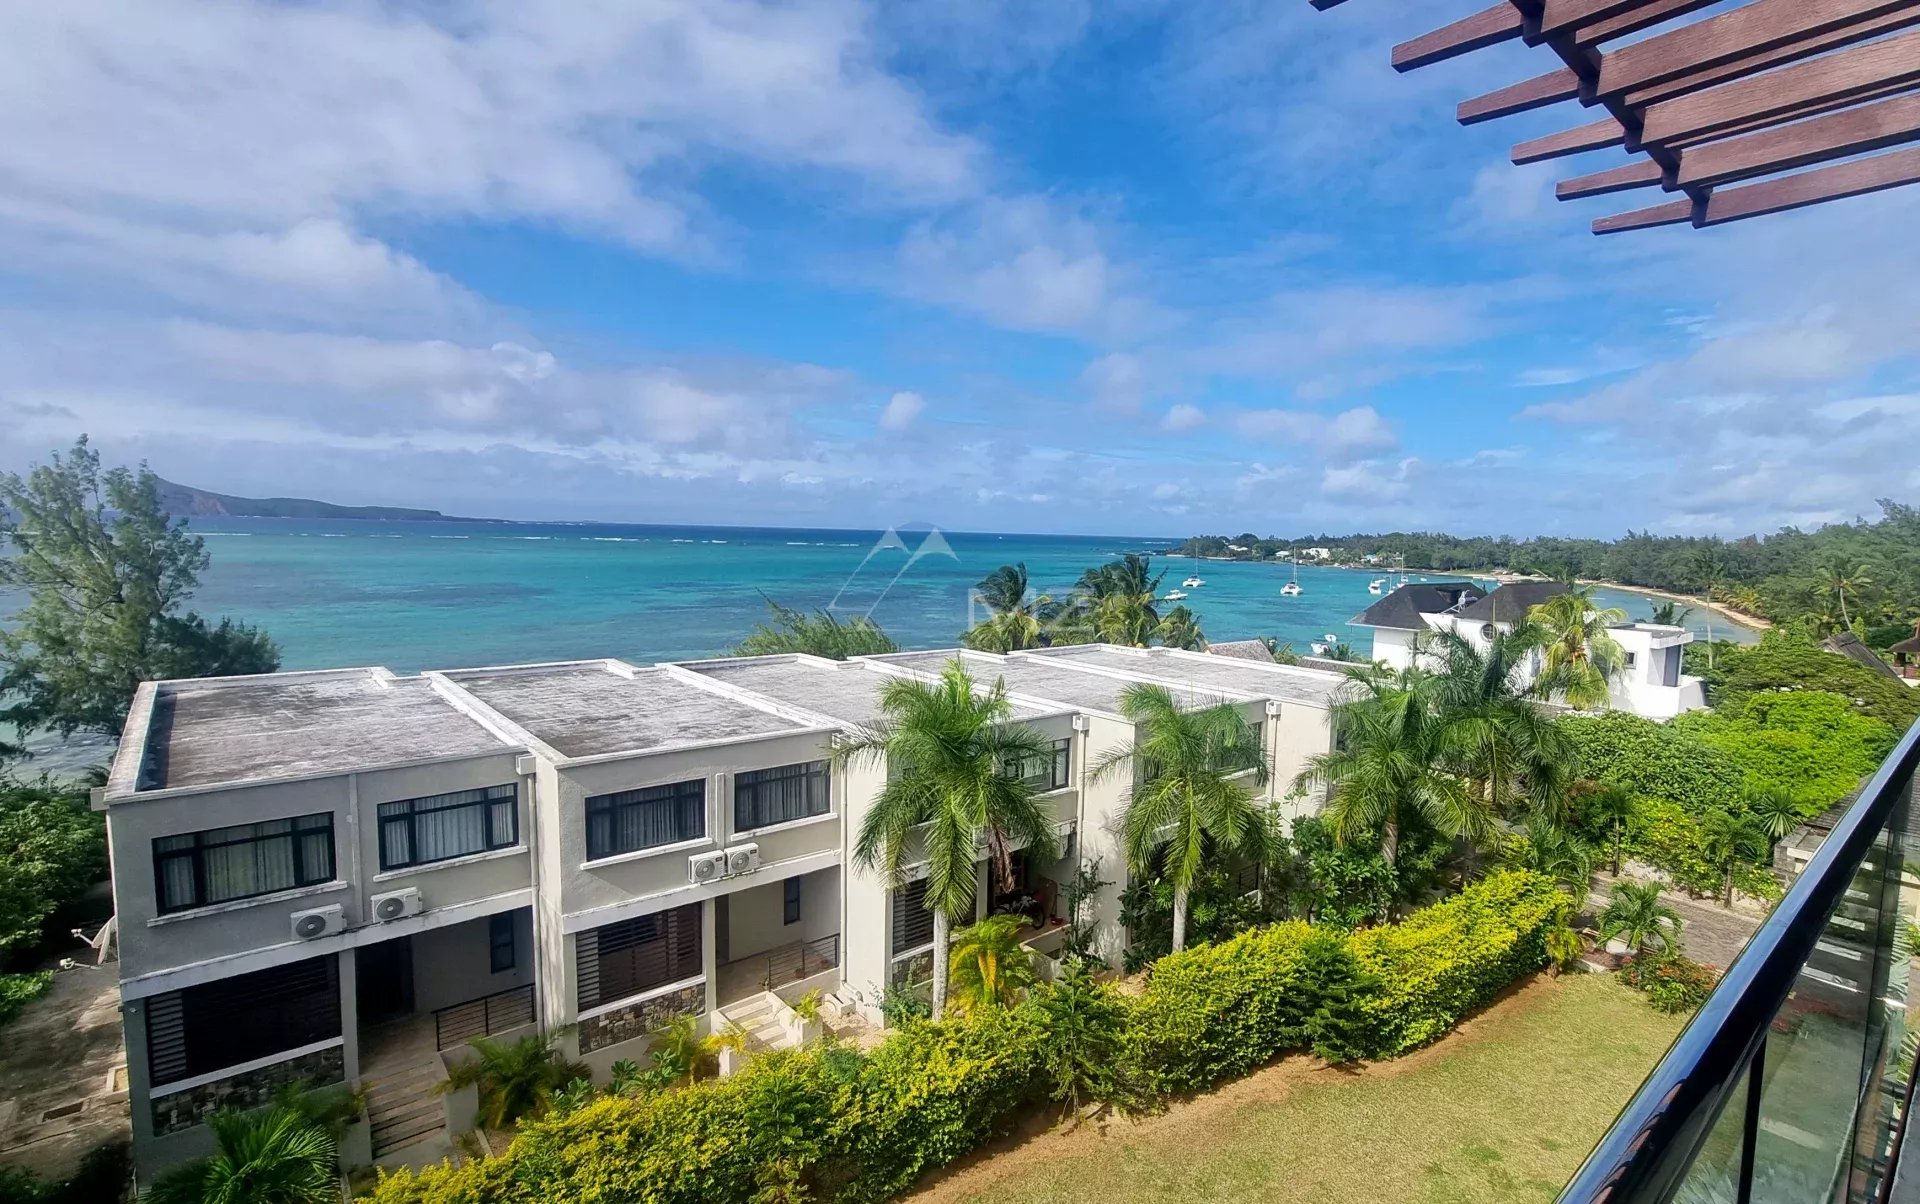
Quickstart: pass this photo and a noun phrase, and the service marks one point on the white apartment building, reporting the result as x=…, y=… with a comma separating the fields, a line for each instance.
x=1649, y=684
x=343, y=876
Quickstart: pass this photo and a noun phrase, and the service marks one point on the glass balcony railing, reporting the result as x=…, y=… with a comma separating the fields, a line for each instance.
x=1791, y=1083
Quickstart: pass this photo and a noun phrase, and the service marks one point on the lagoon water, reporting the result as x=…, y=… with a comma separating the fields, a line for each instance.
x=413, y=595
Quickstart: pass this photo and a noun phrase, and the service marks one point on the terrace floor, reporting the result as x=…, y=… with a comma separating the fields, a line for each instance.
x=62, y=1073
x=1500, y=1112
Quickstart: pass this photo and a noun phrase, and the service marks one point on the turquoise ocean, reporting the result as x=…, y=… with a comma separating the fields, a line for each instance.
x=419, y=595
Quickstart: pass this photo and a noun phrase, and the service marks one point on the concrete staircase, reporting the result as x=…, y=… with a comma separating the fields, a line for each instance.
x=402, y=1108
x=763, y=1016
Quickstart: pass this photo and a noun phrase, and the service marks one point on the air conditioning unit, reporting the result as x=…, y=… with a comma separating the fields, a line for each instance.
x=397, y=904
x=743, y=859
x=321, y=921
x=706, y=867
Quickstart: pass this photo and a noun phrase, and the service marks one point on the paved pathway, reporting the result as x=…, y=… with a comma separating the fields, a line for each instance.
x=1710, y=934
x=60, y=1055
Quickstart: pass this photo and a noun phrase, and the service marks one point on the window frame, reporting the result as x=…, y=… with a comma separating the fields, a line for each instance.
x=499, y=924
x=790, y=905
x=298, y=828
x=1056, y=774
x=805, y=770
x=681, y=791
x=486, y=803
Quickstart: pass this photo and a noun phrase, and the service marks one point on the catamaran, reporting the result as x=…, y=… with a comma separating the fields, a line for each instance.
x=1194, y=581
x=1292, y=588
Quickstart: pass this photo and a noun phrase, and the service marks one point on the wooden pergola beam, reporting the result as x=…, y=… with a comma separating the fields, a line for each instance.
x=1731, y=36
x=1535, y=93
x=1667, y=213
x=1789, y=52
x=1641, y=173
x=1861, y=176
x=1849, y=75
x=1488, y=27
x=1855, y=131
x=1595, y=135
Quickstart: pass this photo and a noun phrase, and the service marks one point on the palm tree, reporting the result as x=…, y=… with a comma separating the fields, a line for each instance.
x=1179, y=629
x=1636, y=916
x=1184, y=764
x=1580, y=657
x=1015, y=621
x=1556, y=853
x=1611, y=808
x=514, y=1078
x=990, y=967
x=1841, y=582
x=272, y=1156
x=956, y=775
x=1774, y=809
x=1670, y=613
x=1726, y=840
x=1389, y=764
x=819, y=633
x=1513, y=752
x=1114, y=601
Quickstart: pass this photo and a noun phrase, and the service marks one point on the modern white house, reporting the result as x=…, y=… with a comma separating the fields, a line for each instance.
x=1650, y=682
x=344, y=876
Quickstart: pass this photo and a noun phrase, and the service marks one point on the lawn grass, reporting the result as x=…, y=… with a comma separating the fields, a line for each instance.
x=1502, y=1110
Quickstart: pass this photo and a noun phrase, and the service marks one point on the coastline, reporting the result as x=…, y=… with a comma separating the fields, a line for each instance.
x=1736, y=617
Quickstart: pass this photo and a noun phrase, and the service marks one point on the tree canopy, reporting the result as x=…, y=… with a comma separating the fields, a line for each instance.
x=106, y=572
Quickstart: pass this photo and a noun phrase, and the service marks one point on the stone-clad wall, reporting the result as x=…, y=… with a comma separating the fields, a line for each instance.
x=253, y=1089
x=639, y=1019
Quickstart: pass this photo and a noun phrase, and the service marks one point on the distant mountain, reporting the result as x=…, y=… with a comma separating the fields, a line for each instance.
x=186, y=501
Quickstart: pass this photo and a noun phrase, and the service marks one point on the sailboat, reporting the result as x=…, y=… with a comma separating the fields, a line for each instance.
x=1194, y=581
x=1292, y=588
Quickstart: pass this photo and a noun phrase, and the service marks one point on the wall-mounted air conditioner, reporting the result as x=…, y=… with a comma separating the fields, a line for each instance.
x=397, y=904
x=706, y=867
x=743, y=859
x=319, y=922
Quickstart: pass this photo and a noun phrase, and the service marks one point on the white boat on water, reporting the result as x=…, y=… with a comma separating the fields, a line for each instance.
x=1376, y=585
x=1292, y=588
x=1174, y=595
x=1192, y=583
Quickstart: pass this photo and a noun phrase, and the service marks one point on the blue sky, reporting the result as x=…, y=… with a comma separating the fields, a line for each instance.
x=1143, y=266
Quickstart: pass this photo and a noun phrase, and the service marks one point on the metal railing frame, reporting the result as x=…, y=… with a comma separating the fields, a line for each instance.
x=489, y=1005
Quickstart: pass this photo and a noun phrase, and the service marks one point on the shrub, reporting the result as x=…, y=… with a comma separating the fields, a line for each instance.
x=1654, y=759
x=1786, y=660
x=1670, y=982
x=51, y=849
x=1664, y=835
x=17, y=990
x=1814, y=745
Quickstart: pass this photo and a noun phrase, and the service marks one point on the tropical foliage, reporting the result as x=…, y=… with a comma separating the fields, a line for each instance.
x=1189, y=792
x=1016, y=619
x=515, y=1079
x=18, y=990
x=1670, y=982
x=989, y=967
x=275, y=1155
x=1579, y=657
x=52, y=847
x=817, y=633
x=1636, y=916
x=954, y=761
x=1790, y=660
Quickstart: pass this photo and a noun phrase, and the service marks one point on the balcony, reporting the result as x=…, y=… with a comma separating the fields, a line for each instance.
x=1793, y=1081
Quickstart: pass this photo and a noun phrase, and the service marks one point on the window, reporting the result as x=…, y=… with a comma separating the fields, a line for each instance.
x=220, y=864
x=1630, y=660
x=792, y=912
x=633, y=956
x=912, y=922
x=228, y=1021
x=500, y=951
x=1048, y=772
x=420, y=831
x=646, y=818
x=765, y=797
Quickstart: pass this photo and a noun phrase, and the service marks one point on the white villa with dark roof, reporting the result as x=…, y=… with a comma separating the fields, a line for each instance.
x=343, y=876
x=1649, y=684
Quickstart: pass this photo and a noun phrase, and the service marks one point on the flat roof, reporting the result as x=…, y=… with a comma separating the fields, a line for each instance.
x=238, y=730
x=1286, y=683
x=1041, y=679
x=600, y=708
x=848, y=692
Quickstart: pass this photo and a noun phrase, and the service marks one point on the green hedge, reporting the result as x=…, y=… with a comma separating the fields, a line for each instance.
x=1813, y=744
x=848, y=1126
x=18, y=990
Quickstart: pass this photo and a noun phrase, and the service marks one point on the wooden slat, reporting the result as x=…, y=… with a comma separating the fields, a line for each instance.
x=1667, y=213
x=1488, y=27
x=1642, y=17
x=1849, y=75
x=1541, y=90
x=1559, y=15
x=1592, y=136
x=1869, y=127
x=1857, y=178
x=1641, y=173
x=1811, y=109
x=1758, y=27
x=1789, y=52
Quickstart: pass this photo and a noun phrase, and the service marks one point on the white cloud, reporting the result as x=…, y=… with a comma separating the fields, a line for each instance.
x=1116, y=381
x=900, y=411
x=1343, y=437
x=1183, y=417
